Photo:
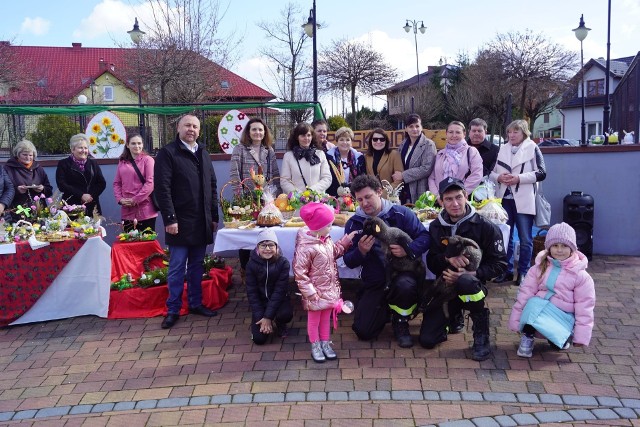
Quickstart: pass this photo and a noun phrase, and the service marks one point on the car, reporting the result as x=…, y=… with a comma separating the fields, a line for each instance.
x=559, y=142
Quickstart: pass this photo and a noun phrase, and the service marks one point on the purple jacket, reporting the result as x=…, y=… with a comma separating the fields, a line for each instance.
x=574, y=293
x=127, y=185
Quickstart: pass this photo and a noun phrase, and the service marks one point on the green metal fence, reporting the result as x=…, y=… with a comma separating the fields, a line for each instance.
x=49, y=127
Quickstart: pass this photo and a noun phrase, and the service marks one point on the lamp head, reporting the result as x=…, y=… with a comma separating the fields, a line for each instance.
x=308, y=27
x=422, y=27
x=82, y=99
x=136, y=34
x=582, y=31
x=407, y=27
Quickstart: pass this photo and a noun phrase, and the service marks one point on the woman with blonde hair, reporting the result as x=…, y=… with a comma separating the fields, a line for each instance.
x=28, y=177
x=519, y=166
x=79, y=176
x=345, y=162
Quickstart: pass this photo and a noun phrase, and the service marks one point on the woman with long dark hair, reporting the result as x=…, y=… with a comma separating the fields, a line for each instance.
x=380, y=159
x=304, y=165
x=133, y=185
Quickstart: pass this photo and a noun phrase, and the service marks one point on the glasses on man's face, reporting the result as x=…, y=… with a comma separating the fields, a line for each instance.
x=375, y=139
x=267, y=245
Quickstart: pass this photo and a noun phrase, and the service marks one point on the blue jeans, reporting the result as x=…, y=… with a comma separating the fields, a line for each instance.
x=180, y=257
x=524, y=224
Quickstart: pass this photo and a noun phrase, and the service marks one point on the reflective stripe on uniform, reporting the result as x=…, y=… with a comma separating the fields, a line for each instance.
x=401, y=311
x=472, y=298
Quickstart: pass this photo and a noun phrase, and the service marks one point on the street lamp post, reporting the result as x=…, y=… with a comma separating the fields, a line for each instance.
x=82, y=100
x=414, y=24
x=581, y=34
x=284, y=82
x=605, y=112
x=310, y=29
x=136, y=37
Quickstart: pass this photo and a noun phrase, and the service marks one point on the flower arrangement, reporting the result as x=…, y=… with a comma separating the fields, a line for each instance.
x=345, y=200
x=125, y=282
x=136, y=235
x=20, y=231
x=212, y=261
x=155, y=277
x=310, y=195
x=73, y=211
x=104, y=137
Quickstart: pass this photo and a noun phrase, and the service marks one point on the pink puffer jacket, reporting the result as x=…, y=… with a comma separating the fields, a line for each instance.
x=315, y=269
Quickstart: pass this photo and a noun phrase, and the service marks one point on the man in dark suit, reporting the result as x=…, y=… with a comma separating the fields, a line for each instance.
x=185, y=187
x=488, y=151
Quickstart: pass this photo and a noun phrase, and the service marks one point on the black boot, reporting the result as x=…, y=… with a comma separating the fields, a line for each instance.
x=480, y=350
x=400, y=326
x=456, y=322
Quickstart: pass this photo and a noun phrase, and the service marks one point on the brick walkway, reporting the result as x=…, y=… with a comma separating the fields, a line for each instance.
x=91, y=371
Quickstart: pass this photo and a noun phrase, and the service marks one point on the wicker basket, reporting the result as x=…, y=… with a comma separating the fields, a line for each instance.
x=225, y=203
x=538, y=243
x=235, y=224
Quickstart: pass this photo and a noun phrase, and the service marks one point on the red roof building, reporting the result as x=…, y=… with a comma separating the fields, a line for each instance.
x=56, y=75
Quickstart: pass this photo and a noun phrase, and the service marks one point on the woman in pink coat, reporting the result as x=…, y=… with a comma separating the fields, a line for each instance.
x=316, y=273
x=131, y=193
x=557, y=297
x=458, y=160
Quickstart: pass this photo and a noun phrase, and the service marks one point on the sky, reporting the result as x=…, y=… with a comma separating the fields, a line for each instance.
x=454, y=27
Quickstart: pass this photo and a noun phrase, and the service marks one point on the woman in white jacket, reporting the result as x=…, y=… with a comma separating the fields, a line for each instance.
x=519, y=166
x=304, y=165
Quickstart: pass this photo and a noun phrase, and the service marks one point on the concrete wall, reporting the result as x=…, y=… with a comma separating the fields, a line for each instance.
x=610, y=174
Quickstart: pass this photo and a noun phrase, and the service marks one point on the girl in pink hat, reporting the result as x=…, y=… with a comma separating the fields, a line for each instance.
x=557, y=297
x=316, y=274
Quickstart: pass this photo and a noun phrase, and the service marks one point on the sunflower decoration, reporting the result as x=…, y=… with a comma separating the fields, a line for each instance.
x=104, y=136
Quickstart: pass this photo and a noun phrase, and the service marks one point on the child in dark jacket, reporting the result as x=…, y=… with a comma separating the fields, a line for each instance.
x=267, y=280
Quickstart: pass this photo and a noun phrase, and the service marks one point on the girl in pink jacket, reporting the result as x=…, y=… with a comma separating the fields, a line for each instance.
x=557, y=297
x=316, y=273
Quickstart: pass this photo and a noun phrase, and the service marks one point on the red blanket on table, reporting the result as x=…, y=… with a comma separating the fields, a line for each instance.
x=151, y=302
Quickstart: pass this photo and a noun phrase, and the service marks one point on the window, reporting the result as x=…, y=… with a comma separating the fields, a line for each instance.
x=546, y=117
x=224, y=84
x=108, y=93
x=594, y=128
x=595, y=87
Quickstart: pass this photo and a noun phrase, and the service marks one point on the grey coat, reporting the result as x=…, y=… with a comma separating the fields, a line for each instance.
x=416, y=175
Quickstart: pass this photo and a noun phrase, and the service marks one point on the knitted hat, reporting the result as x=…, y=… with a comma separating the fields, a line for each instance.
x=561, y=233
x=316, y=215
x=267, y=234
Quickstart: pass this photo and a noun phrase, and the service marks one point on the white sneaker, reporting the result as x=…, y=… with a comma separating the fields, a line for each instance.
x=327, y=350
x=526, y=346
x=316, y=352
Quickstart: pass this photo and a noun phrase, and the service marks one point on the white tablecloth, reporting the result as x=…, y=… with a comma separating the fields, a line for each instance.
x=81, y=288
x=229, y=239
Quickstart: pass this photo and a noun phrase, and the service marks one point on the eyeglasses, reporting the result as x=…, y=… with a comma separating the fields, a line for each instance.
x=375, y=139
x=267, y=245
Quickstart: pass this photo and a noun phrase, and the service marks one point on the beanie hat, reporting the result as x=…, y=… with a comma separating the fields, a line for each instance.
x=316, y=215
x=561, y=233
x=267, y=234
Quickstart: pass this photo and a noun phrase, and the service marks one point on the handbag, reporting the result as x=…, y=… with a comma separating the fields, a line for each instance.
x=152, y=196
x=543, y=208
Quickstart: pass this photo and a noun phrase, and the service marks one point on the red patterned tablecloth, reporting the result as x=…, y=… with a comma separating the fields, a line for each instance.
x=26, y=275
x=128, y=257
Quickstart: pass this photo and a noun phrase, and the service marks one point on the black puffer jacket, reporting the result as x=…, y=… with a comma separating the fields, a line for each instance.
x=474, y=226
x=74, y=183
x=185, y=188
x=267, y=285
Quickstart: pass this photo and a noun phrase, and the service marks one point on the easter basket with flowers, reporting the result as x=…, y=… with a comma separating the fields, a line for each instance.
x=238, y=204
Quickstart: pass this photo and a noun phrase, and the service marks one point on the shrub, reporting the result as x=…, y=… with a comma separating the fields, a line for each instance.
x=336, y=122
x=210, y=133
x=53, y=133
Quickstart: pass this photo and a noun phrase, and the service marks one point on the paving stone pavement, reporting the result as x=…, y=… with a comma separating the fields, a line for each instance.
x=206, y=371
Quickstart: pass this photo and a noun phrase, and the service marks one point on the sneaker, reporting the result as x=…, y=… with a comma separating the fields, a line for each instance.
x=564, y=347
x=401, y=331
x=526, y=346
x=316, y=352
x=327, y=350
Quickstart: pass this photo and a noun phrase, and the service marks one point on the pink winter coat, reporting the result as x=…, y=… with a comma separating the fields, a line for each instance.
x=315, y=269
x=127, y=185
x=574, y=288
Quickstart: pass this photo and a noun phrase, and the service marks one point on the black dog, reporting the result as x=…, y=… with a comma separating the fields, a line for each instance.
x=387, y=235
x=441, y=293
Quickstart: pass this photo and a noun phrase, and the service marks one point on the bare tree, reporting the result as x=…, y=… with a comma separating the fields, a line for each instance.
x=287, y=53
x=14, y=72
x=527, y=58
x=430, y=102
x=542, y=98
x=357, y=66
x=174, y=59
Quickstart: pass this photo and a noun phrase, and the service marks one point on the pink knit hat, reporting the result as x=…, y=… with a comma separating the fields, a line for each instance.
x=316, y=215
x=561, y=233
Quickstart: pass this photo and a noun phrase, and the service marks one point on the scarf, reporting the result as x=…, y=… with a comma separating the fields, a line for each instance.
x=28, y=165
x=309, y=154
x=349, y=166
x=79, y=163
x=452, y=158
x=377, y=156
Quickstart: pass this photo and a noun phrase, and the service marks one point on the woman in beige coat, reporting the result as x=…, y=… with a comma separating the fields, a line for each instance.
x=381, y=161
